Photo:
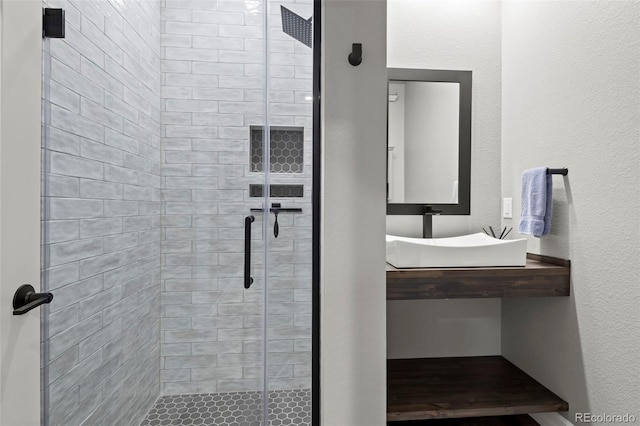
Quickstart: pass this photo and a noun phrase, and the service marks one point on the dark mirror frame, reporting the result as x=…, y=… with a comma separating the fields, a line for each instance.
x=464, y=149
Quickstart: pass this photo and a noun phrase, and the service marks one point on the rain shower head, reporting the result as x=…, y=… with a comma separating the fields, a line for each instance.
x=296, y=26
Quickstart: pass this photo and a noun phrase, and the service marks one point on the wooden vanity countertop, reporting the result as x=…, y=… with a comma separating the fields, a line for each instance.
x=543, y=276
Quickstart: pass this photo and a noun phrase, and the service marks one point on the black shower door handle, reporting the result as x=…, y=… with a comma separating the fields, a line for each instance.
x=247, y=251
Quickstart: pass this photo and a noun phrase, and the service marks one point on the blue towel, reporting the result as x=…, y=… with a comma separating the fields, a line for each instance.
x=537, y=188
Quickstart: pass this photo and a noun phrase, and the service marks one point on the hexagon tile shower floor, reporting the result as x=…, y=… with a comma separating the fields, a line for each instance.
x=287, y=407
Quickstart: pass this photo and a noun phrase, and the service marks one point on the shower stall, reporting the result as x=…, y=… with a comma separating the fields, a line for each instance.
x=180, y=213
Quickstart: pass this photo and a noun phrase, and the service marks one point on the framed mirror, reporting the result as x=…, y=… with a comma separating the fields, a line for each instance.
x=429, y=142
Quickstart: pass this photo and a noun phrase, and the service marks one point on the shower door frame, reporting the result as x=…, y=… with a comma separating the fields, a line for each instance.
x=316, y=192
x=316, y=212
x=316, y=199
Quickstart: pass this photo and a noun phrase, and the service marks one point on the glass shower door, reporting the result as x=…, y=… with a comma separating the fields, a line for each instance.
x=167, y=126
x=289, y=235
x=147, y=108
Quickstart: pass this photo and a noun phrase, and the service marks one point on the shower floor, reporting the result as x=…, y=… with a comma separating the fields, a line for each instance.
x=286, y=407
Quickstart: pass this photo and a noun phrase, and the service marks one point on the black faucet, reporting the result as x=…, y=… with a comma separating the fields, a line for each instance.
x=427, y=220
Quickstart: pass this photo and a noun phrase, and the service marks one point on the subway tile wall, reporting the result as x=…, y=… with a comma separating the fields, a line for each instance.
x=102, y=213
x=212, y=92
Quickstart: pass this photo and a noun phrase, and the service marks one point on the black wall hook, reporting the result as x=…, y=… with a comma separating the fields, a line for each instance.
x=355, y=57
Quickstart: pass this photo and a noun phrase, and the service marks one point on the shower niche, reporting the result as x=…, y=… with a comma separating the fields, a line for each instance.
x=287, y=149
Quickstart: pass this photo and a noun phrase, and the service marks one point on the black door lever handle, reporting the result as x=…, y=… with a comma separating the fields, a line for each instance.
x=26, y=298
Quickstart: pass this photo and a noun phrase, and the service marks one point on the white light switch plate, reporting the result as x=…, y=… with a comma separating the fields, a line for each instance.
x=507, y=208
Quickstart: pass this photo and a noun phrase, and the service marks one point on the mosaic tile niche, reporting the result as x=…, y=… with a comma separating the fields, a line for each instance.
x=287, y=149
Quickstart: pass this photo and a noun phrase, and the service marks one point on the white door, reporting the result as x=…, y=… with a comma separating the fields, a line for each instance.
x=20, y=87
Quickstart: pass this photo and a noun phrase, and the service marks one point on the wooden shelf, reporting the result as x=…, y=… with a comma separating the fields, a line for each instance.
x=517, y=420
x=543, y=276
x=440, y=388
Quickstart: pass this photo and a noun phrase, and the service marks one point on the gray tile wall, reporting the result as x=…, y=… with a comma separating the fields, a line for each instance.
x=103, y=213
x=212, y=92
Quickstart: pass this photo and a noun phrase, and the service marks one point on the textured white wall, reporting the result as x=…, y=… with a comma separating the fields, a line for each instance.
x=353, y=287
x=461, y=35
x=571, y=96
x=443, y=328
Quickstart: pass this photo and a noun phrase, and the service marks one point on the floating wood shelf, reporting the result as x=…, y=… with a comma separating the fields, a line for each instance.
x=543, y=276
x=440, y=388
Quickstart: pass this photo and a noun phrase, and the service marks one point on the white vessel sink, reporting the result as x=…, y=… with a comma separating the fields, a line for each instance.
x=467, y=250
